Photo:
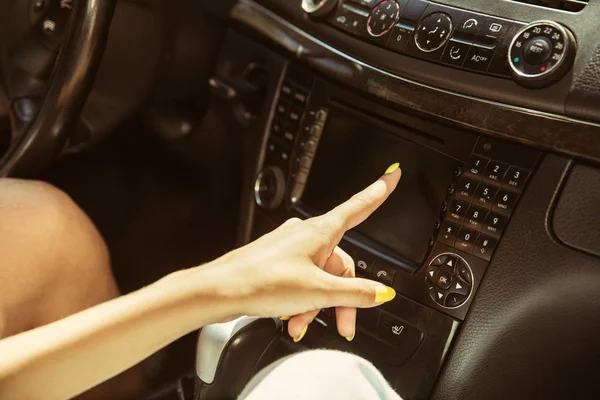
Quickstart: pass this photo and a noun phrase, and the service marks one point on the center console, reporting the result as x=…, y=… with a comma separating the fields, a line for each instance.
x=432, y=239
x=470, y=101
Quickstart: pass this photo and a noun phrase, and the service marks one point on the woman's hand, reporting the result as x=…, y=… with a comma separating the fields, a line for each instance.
x=297, y=269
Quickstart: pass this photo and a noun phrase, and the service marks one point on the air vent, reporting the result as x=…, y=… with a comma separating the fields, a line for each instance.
x=565, y=5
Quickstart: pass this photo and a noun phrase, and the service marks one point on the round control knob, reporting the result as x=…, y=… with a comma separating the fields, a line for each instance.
x=383, y=17
x=433, y=32
x=319, y=8
x=449, y=280
x=541, y=53
x=269, y=188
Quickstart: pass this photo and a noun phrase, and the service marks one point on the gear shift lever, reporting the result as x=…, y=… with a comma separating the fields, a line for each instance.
x=229, y=354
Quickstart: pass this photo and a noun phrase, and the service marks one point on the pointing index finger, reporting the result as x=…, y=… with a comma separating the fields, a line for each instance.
x=360, y=206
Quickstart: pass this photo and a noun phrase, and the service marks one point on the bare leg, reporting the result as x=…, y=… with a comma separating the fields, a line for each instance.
x=53, y=263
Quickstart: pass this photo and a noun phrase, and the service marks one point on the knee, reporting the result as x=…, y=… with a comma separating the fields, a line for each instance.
x=44, y=220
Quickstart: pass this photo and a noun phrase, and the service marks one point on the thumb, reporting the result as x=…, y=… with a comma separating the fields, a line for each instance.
x=358, y=292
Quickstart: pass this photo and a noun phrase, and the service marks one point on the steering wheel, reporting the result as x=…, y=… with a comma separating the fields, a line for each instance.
x=49, y=54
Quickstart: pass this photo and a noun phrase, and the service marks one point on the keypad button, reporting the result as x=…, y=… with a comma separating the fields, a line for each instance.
x=465, y=188
x=300, y=97
x=484, y=246
x=457, y=211
x=364, y=262
x=476, y=165
x=516, y=178
x=475, y=217
x=465, y=272
x=287, y=89
x=505, y=201
x=294, y=115
x=495, y=171
x=494, y=224
x=277, y=128
x=281, y=109
x=289, y=135
x=485, y=194
x=465, y=240
x=448, y=233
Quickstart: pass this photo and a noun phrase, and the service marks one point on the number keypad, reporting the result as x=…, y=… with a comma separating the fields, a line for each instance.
x=483, y=200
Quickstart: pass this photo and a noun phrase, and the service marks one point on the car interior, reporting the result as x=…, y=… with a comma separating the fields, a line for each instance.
x=188, y=128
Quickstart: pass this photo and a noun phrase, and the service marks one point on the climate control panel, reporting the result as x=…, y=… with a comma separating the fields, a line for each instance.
x=534, y=55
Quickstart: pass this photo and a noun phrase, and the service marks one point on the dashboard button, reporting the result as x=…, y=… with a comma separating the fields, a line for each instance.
x=448, y=233
x=399, y=38
x=475, y=217
x=505, y=201
x=383, y=18
x=479, y=58
x=430, y=273
x=455, y=53
x=365, y=3
x=485, y=193
x=398, y=333
x=443, y=279
x=289, y=135
x=439, y=260
x=494, y=224
x=470, y=24
x=383, y=273
x=537, y=50
x=277, y=128
x=413, y=10
x=465, y=188
x=495, y=28
x=459, y=286
x=457, y=211
x=465, y=272
x=465, y=240
x=476, y=165
x=300, y=97
x=287, y=89
x=439, y=296
x=484, y=246
x=516, y=178
x=499, y=65
x=495, y=171
x=282, y=108
x=295, y=115
x=364, y=262
x=433, y=32
x=455, y=300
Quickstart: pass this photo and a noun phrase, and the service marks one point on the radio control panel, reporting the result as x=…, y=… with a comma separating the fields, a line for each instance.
x=534, y=55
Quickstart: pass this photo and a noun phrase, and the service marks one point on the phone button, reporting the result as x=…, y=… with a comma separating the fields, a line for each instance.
x=383, y=273
x=363, y=262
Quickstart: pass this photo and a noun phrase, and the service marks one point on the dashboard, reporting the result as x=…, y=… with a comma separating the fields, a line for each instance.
x=492, y=109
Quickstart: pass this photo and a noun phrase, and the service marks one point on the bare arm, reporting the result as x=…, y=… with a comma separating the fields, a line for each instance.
x=294, y=270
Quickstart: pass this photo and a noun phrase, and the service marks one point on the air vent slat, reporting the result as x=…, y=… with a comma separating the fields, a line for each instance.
x=565, y=5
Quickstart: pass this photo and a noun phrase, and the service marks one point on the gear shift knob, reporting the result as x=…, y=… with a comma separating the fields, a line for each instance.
x=229, y=354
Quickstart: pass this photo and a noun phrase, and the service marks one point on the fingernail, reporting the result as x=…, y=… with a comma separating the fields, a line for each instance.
x=351, y=337
x=392, y=168
x=383, y=294
x=285, y=318
x=299, y=338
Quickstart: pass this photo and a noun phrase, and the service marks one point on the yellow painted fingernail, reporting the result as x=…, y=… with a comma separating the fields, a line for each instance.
x=392, y=168
x=350, y=338
x=285, y=318
x=383, y=294
x=299, y=338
